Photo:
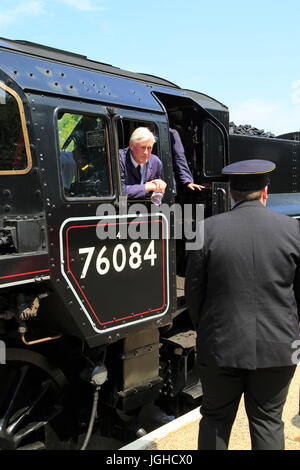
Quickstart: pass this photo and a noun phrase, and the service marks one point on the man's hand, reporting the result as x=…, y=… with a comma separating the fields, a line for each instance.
x=158, y=186
x=194, y=186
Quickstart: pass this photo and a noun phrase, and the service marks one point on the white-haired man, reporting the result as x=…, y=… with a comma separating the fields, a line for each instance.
x=140, y=169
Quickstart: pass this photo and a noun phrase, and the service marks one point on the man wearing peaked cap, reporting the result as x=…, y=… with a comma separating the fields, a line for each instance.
x=243, y=295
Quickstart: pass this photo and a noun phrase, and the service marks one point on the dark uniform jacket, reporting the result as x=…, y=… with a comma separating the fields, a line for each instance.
x=243, y=288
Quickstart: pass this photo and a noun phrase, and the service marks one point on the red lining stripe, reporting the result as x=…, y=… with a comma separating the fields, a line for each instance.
x=25, y=274
x=117, y=223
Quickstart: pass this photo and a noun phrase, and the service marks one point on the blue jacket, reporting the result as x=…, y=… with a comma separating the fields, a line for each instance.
x=181, y=169
x=130, y=179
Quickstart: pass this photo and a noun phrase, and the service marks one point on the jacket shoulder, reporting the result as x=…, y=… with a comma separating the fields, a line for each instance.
x=155, y=160
x=281, y=218
x=123, y=152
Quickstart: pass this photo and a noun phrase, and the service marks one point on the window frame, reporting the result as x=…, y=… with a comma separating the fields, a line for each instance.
x=24, y=130
x=95, y=115
x=203, y=148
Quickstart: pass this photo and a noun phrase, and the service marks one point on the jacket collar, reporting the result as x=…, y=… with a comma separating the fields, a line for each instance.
x=242, y=204
x=131, y=166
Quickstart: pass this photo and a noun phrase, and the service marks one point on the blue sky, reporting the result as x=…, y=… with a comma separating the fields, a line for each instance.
x=245, y=54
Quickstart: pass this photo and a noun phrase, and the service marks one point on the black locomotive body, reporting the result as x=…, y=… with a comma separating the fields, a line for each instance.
x=87, y=308
x=284, y=151
x=84, y=312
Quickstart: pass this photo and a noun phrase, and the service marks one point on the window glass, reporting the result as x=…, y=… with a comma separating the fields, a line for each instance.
x=84, y=154
x=12, y=146
x=213, y=149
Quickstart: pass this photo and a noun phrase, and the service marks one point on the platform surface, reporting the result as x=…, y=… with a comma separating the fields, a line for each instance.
x=182, y=433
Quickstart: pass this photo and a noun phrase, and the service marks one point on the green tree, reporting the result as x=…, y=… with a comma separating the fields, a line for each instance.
x=66, y=125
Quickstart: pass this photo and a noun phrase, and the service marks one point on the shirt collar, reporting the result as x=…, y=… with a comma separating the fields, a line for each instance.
x=135, y=164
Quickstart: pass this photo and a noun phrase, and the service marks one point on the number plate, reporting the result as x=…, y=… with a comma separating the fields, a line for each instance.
x=122, y=278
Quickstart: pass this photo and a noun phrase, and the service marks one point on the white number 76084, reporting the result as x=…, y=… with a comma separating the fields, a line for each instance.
x=119, y=258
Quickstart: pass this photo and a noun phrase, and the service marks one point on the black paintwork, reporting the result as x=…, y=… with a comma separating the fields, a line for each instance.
x=284, y=188
x=48, y=81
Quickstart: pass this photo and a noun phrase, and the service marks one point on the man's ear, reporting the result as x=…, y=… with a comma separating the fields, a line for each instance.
x=265, y=193
x=131, y=145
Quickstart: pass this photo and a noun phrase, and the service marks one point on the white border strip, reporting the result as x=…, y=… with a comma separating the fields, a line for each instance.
x=149, y=441
x=25, y=281
x=110, y=217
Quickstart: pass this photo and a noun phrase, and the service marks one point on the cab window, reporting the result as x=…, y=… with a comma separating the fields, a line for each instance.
x=84, y=156
x=14, y=145
x=213, y=149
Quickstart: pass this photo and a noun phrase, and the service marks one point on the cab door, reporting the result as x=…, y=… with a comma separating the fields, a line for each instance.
x=114, y=254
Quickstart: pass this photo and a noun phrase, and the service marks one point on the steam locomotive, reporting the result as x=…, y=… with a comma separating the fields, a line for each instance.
x=94, y=327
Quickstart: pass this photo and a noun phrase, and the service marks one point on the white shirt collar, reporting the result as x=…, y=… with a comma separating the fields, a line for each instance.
x=135, y=163
x=143, y=168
